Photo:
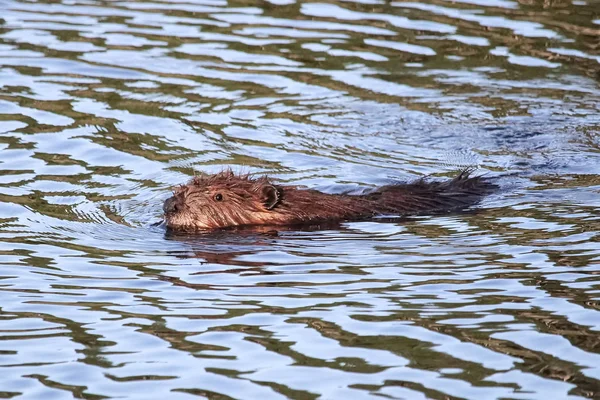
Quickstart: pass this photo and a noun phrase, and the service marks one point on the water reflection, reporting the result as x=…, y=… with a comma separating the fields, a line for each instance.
x=104, y=107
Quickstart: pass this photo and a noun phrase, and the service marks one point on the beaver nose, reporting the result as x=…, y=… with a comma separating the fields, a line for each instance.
x=171, y=205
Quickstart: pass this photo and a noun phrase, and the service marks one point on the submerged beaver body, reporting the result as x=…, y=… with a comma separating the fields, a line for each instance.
x=226, y=200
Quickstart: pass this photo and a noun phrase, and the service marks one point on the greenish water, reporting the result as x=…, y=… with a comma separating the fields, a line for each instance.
x=106, y=105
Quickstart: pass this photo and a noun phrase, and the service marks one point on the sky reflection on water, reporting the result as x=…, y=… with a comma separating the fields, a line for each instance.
x=105, y=106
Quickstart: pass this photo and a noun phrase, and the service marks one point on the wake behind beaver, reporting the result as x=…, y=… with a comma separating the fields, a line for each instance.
x=227, y=199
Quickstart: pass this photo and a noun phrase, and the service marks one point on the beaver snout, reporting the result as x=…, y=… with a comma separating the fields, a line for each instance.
x=172, y=205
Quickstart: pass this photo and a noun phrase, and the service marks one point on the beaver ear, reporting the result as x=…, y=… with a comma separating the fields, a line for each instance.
x=270, y=196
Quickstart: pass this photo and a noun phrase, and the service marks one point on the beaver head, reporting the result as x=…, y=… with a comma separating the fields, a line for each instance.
x=221, y=200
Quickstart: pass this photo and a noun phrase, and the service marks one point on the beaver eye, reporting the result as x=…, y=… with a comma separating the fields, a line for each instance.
x=218, y=197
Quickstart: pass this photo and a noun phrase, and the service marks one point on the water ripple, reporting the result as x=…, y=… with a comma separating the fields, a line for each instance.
x=106, y=107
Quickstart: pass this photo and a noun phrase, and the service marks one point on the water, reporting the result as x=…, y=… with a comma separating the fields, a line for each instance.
x=106, y=105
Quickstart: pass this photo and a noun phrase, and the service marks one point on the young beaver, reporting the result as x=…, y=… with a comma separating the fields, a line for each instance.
x=226, y=199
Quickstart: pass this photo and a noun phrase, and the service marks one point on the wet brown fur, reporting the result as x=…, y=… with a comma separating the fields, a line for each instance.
x=257, y=201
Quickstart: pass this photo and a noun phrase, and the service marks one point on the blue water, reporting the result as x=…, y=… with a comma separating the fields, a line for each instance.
x=106, y=106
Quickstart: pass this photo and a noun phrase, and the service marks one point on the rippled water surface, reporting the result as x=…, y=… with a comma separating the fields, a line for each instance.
x=106, y=105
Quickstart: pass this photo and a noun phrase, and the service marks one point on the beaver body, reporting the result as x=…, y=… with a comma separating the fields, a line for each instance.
x=226, y=199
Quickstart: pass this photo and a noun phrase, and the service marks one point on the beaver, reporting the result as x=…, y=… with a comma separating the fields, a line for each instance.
x=227, y=199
